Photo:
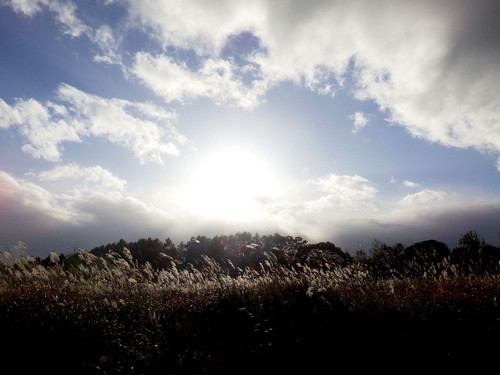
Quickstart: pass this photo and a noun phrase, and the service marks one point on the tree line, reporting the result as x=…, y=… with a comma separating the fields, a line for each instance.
x=245, y=249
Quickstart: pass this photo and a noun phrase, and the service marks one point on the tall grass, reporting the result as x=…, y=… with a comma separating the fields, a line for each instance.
x=111, y=315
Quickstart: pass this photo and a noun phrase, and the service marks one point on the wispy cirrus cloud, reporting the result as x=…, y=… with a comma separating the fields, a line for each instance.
x=143, y=128
x=109, y=45
x=64, y=13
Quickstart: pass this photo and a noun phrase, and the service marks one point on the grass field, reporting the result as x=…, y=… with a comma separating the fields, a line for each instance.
x=110, y=314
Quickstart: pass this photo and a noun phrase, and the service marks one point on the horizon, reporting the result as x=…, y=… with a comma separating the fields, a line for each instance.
x=21, y=247
x=332, y=121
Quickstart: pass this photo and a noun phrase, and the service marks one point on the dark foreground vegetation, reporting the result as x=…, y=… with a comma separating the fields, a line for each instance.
x=249, y=304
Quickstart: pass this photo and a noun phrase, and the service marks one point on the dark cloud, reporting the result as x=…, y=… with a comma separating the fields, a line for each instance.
x=49, y=222
x=441, y=224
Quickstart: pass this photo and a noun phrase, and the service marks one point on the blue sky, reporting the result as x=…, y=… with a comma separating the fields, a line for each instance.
x=332, y=120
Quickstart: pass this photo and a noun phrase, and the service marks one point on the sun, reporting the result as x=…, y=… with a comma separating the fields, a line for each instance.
x=231, y=184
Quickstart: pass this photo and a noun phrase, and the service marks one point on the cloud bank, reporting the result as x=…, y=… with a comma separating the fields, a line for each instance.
x=91, y=206
x=90, y=209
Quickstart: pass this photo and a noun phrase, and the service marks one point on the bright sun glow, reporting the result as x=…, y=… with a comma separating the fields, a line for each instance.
x=231, y=184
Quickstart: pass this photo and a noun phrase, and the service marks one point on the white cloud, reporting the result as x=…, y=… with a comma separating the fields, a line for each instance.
x=64, y=13
x=343, y=191
x=105, y=38
x=423, y=197
x=410, y=184
x=41, y=125
x=143, y=128
x=97, y=176
x=360, y=121
x=26, y=7
x=8, y=115
x=216, y=79
x=352, y=186
x=432, y=66
x=197, y=25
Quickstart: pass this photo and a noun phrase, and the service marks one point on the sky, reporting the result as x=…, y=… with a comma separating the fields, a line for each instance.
x=342, y=121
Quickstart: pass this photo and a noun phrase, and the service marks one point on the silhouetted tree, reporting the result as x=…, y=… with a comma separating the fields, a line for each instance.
x=322, y=253
x=419, y=257
x=143, y=250
x=195, y=247
x=427, y=251
x=474, y=255
x=217, y=247
x=171, y=250
x=385, y=260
